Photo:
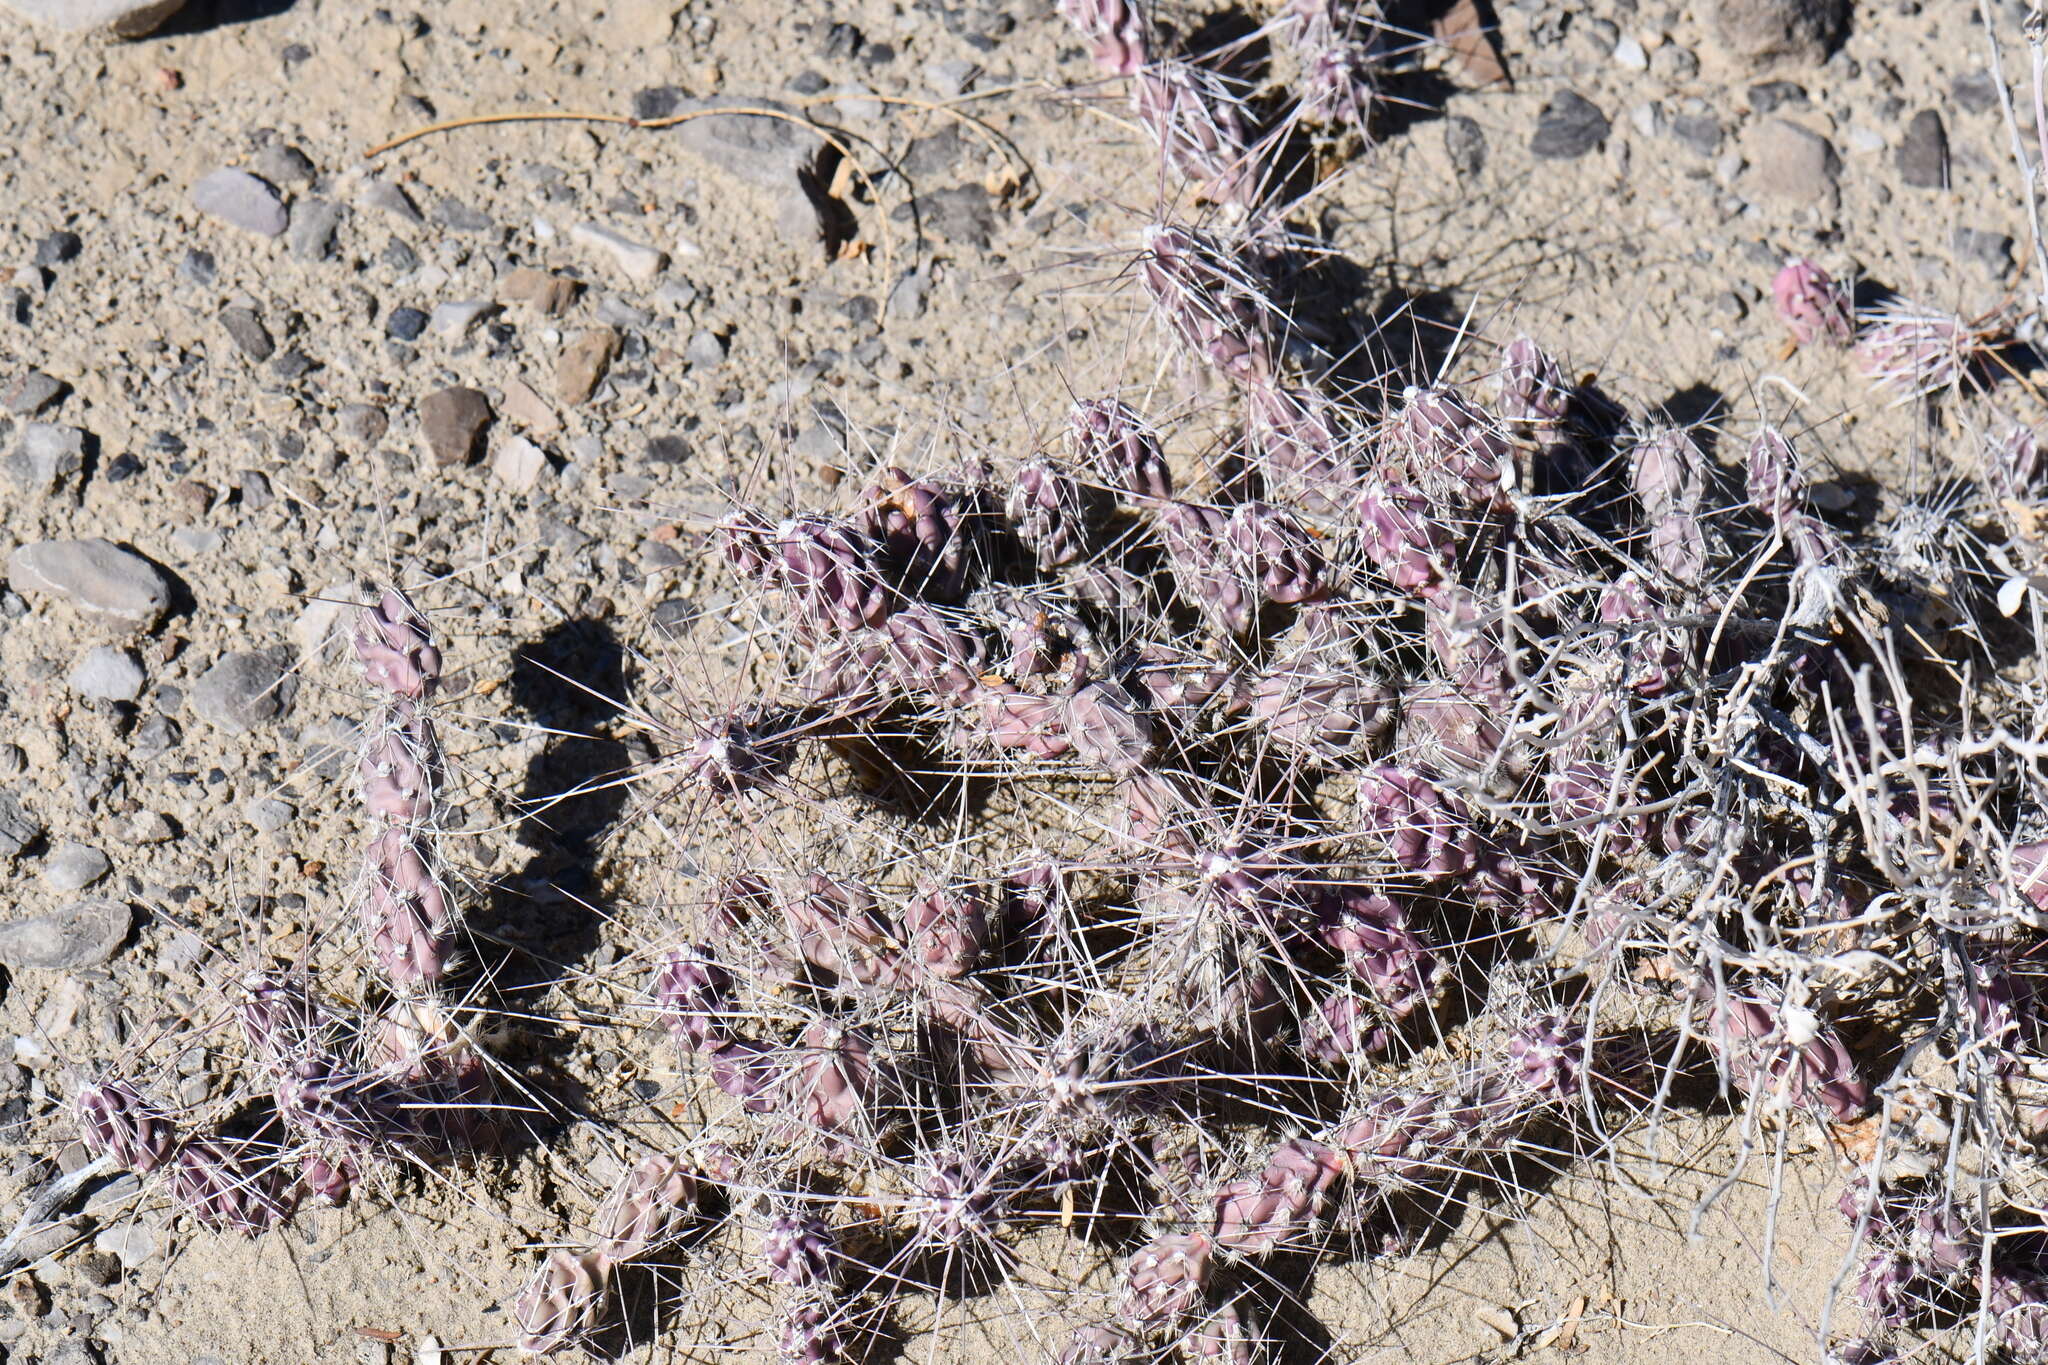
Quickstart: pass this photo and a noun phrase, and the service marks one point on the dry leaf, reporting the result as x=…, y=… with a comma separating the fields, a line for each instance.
x=1461, y=30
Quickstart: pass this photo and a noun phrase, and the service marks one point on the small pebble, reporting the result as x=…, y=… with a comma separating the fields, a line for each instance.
x=248, y=332
x=452, y=421
x=361, y=422
x=132, y=1243
x=49, y=457
x=583, y=364
x=58, y=248
x=1465, y=144
x=31, y=393
x=635, y=260
x=1629, y=54
x=455, y=319
x=313, y=225
x=1975, y=92
x=405, y=324
x=1922, y=153
x=519, y=464
x=1569, y=127
x=268, y=814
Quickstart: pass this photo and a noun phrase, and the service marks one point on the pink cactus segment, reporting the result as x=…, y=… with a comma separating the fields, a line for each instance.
x=1199, y=548
x=1102, y=1343
x=228, y=1186
x=1303, y=457
x=1211, y=299
x=930, y=655
x=1534, y=391
x=1165, y=1279
x=563, y=1304
x=1053, y=513
x=748, y=1071
x=1198, y=124
x=1112, y=439
x=1667, y=472
x=397, y=773
x=1657, y=657
x=1586, y=798
x=735, y=752
x=2015, y=464
x=2029, y=877
x=967, y=1009
x=1777, y=490
x=1815, y=1072
x=830, y=573
x=1179, y=683
x=2017, y=1303
x=1118, y=35
x=1918, y=352
x=330, y=1179
x=692, y=996
x=951, y=1201
x=1812, y=305
x=1259, y=1214
x=1343, y=1029
x=1322, y=716
x=850, y=673
x=926, y=534
x=1107, y=728
x=1444, y=721
x=1336, y=44
x=832, y=1081
x=801, y=1250
x=812, y=1332
x=280, y=1019
x=1381, y=950
x=1428, y=830
x=948, y=929
x=838, y=926
x=648, y=1209
x=1277, y=553
x=1463, y=631
x=1547, y=1057
x=114, y=1121
x=1411, y=551
x=396, y=649
x=408, y=916
x=1455, y=451
x=1011, y=718
x=1224, y=1337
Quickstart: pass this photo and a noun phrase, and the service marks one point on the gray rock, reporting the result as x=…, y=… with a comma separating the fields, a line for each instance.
x=362, y=423
x=391, y=198
x=97, y=576
x=1992, y=250
x=1792, y=163
x=1772, y=95
x=1922, y=153
x=951, y=79
x=454, y=320
x=116, y=18
x=268, y=815
x=460, y=217
x=1975, y=92
x=19, y=826
x=240, y=692
x=283, y=164
x=1465, y=144
x=907, y=295
x=59, y=247
x=453, y=421
x=313, y=224
x=241, y=200
x=31, y=393
x=48, y=1240
x=48, y=458
x=115, y=1196
x=1700, y=132
x=963, y=213
x=635, y=260
x=1569, y=127
x=767, y=152
x=820, y=444
x=108, y=674
x=82, y=934
x=706, y=349
x=1763, y=32
x=248, y=332
x=133, y=1244
x=1674, y=64
x=73, y=867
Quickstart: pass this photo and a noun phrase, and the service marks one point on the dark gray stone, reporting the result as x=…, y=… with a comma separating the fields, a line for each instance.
x=31, y=393
x=57, y=248
x=248, y=331
x=1569, y=127
x=1975, y=92
x=762, y=151
x=240, y=692
x=19, y=826
x=1922, y=154
x=1992, y=250
x=1465, y=144
x=1764, y=32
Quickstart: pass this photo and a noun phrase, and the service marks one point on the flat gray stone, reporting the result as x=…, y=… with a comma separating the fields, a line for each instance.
x=1792, y=163
x=753, y=148
x=116, y=18
x=635, y=260
x=133, y=1244
x=363, y=423
x=268, y=815
x=82, y=934
x=455, y=319
x=107, y=674
x=240, y=692
x=1923, y=152
x=1763, y=32
x=49, y=457
x=19, y=826
x=97, y=576
x=313, y=224
x=241, y=200
x=73, y=866
x=1569, y=127
x=248, y=331
x=379, y=193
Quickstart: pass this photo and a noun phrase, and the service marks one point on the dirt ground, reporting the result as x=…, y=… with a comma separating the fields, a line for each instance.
x=259, y=484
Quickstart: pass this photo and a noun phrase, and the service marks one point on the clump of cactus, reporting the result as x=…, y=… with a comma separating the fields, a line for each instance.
x=1254, y=852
